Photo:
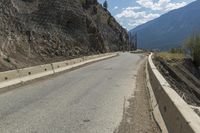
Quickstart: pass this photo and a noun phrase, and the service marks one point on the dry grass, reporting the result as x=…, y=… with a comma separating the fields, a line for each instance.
x=167, y=56
x=173, y=59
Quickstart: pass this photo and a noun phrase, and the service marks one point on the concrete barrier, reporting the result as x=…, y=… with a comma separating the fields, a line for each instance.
x=13, y=77
x=35, y=72
x=61, y=66
x=154, y=104
x=9, y=78
x=176, y=113
x=66, y=65
x=77, y=60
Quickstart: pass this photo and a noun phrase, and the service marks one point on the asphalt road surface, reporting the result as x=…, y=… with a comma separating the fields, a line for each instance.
x=86, y=100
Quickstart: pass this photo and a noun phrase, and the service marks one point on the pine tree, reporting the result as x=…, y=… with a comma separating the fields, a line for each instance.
x=105, y=4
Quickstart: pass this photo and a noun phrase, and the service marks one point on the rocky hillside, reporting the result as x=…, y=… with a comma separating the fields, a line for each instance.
x=34, y=32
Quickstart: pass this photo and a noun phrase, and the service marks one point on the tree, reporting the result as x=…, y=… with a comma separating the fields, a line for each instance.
x=193, y=46
x=133, y=40
x=105, y=4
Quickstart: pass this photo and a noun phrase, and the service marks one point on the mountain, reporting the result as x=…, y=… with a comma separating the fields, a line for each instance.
x=171, y=29
x=34, y=32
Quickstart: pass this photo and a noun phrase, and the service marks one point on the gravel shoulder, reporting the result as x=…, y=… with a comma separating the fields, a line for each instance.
x=137, y=117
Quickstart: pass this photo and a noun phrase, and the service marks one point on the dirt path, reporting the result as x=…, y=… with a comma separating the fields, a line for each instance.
x=137, y=117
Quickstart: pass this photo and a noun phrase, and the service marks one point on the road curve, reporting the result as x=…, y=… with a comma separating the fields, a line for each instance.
x=86, y=100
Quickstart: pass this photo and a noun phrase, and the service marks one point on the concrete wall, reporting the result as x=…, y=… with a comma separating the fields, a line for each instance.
x=62, y=66
x=10, y=78
x=176, y=113
x=65, y=65
x=154, y=104
x=30, y=73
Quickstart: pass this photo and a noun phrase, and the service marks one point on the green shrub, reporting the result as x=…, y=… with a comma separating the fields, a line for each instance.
x=83, y=2
x=109, y=21
x=98, y=18
x=95, y=10
x=176, y=50
x=193, y=46
x=7, y=59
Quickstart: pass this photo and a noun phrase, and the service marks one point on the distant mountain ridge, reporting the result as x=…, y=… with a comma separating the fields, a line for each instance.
x=171, y=29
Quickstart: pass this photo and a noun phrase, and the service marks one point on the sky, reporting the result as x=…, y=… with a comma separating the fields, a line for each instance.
x=131, y=13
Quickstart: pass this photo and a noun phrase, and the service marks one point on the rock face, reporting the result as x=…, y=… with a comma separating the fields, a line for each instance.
x=35, y=32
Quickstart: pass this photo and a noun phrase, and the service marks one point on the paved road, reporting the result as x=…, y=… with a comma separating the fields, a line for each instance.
x=86, y=100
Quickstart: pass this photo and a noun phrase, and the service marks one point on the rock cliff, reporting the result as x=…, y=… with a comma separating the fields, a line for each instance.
x=34, y=32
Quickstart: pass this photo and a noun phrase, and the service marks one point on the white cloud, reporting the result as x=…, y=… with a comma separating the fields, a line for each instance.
x=116, y=7
x=145, y=11
x=133, y=18
x=135, y=15
x=160, y=5
x=133, y=8
x=172, y=6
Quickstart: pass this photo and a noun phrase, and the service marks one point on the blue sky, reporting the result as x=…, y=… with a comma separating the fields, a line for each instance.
x=131, y=13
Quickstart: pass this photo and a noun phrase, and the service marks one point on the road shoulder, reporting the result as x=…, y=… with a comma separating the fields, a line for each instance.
x=137, y=117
